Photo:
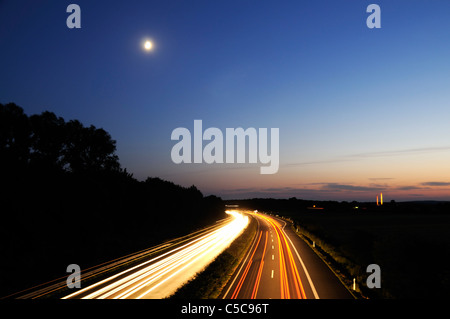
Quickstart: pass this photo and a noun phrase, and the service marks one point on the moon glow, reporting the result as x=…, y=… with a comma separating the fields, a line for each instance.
x=148, y=45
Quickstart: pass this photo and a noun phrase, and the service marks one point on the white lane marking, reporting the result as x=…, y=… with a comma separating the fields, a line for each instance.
x=271, y=276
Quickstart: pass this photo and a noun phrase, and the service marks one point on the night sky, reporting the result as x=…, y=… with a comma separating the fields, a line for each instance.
x=360, y=111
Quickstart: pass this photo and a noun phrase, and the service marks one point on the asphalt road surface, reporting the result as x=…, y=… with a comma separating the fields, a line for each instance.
x=280, y=265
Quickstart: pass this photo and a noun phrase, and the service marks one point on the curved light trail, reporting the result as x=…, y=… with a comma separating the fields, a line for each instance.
x=288, y=268
x=283, y=280
x=163, y=275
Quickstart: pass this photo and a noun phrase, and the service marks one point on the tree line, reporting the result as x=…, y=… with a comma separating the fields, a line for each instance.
x=66, y=199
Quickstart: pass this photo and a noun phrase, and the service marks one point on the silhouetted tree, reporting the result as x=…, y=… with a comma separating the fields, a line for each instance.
x=15, y=131
x=89, y=149
x=65, y=198
x=47, y=141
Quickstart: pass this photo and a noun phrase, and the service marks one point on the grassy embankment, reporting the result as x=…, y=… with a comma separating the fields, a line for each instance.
x=209, y=283
x=411, y=249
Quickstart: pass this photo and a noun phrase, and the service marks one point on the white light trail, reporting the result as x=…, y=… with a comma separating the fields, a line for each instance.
x=161, y=276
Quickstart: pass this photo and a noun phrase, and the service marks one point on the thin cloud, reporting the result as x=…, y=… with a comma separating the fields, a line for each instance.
x=346, y=187
x=403, y=152
x=436, y=184
x=359, y=156
x=330, y=161
x=280, y=192
x=408, y=188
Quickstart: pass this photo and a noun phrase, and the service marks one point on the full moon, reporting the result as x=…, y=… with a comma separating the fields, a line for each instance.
x=148, y=45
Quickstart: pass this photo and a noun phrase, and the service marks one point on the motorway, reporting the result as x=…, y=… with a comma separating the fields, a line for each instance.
x=161, y=276
x=277, y=265
x=280, y=265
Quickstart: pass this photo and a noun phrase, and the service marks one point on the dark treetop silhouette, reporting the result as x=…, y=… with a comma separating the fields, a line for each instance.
x=66, y=199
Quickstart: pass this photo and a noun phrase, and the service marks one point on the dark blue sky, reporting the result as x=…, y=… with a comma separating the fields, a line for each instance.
x=359, y=110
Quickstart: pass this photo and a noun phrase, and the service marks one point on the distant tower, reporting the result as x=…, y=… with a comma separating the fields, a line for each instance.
x=381, y=200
